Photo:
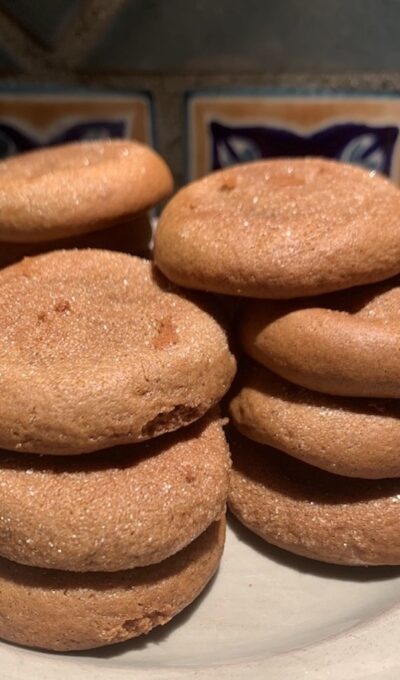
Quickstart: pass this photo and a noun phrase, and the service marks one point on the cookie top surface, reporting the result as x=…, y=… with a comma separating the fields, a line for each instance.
x=345, y=344
x=346, y=436
x=64, y=611
x=97, y=349
x=312, y=512
x=77, y=188
x=281, y=229
x=127, y=507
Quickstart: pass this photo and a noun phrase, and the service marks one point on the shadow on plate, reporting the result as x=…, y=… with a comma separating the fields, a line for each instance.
x=306, y=565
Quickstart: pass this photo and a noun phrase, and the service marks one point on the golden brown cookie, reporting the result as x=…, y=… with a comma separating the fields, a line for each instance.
x=311, y=512
x=347, y=436
x=126, y=507
x=98, y=349
x=65, y=611
x=281, y=229
x=78, y=188
x=132, y=237
x=346, y=344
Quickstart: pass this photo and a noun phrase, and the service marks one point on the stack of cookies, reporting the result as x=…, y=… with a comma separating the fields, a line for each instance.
x=316, y=436
x=114, y=468
x=83, y=195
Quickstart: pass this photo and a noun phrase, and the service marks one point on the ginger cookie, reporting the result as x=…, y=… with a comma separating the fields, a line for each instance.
x=281, y=228
x=344, y=435
x=132, y=237
x=77, y=188
x=312, y=512
x=347, y=344
x=64, y=611
x=126, y=507
x=98, y=349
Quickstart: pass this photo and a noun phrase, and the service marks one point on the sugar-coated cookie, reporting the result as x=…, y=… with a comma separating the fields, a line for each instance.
x=281, y=229
x=312, y=512
x=132, y=237
x=345, y=435
x=98, y=349
x=77, y=188
x=346, y=343
x=64, y=611
x=126, y=507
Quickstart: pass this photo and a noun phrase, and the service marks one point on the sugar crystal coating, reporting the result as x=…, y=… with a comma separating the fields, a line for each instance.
x=345, y=344
x=98, y=349
x=280, y=229
x=125, y=507
x=77, y=188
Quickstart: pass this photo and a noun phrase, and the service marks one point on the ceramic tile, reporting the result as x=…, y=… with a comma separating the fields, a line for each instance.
x=32, y=119
x=236, y=127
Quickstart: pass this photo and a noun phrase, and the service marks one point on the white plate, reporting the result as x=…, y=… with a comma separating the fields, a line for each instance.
x=266, y=615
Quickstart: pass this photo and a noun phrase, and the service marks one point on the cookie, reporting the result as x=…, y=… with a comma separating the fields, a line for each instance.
x=78, y=188
x=64, y=611
x=344, y=435
x=345, y=344
x=312, y=512
x=281, y=229
x=98, y=349
x=132, y=237
x=127, y=507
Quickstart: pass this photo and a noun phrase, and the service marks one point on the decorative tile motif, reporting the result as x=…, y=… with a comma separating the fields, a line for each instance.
x=28, y=121
x=228, y=129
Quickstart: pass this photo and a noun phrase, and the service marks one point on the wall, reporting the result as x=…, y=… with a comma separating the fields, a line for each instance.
x=170, y=46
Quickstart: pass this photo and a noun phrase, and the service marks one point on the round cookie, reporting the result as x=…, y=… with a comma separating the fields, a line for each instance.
x=64, y=611
x=311, y=512
x=133, y=237
x=281, y=228
x=127, y=507
x=97, y=349
x=347, y=344
x=346, y=436
x=78, y=188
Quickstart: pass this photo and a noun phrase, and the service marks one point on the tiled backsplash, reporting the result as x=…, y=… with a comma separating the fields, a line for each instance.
x=236, y=126
x=125, y=47
x=32, y=119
